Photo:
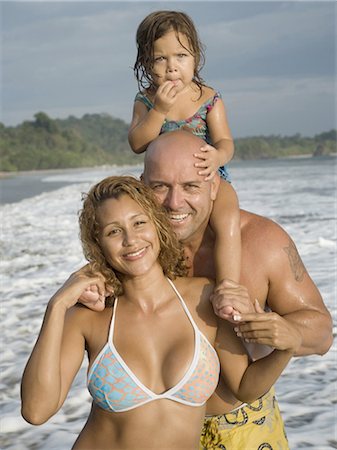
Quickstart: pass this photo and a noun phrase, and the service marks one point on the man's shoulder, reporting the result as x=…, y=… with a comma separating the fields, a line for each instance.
x=252, y=220
x=262, y=230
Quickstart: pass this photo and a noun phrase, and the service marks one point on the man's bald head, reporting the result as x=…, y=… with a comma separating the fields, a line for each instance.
x=170, y=172
x=178, y=147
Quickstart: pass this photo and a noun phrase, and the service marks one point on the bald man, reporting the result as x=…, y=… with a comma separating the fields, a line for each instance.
x=271, y=271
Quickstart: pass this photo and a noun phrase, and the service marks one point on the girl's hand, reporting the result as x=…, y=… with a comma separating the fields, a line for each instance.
x=230, y=299
x=165, y=97
x=83, y=287
x=209, y=157
x=267, y=328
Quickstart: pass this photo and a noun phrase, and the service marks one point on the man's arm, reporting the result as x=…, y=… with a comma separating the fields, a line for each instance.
x=281, y=281
x=293, y=295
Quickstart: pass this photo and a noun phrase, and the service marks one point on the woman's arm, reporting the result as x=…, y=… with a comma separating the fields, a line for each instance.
x=249, y=380
x=58, y=352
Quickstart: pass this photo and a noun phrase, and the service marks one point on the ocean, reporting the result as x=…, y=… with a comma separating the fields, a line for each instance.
x=40, y=248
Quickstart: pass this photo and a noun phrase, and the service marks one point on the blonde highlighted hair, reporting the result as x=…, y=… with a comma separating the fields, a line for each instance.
x=171, y=253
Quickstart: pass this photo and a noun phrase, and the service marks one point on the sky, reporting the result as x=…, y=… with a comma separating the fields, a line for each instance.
x=273, y=61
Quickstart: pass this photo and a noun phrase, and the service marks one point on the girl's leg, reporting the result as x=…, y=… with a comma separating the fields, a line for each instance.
x=225, y=222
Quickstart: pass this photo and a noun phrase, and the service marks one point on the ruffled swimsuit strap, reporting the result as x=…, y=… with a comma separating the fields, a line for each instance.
x=212, y=101
x=143, y=99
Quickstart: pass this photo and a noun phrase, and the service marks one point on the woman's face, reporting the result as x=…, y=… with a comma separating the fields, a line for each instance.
x=128, y=238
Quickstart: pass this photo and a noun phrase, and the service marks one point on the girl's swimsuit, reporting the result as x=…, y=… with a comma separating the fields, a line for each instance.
x=114, y=387
x=197, y=123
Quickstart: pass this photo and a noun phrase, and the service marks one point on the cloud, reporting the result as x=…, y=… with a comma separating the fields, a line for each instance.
x=290, y=40
x=67, y=59
x=267, y=106
x=76, y=57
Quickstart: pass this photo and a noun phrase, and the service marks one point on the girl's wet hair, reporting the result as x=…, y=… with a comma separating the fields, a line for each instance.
x=171, y=252
x=155, y=26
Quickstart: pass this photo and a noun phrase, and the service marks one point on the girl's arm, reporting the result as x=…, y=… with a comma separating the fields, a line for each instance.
x=145, y=127
x=220, y=133
x=146, y=124
x=222, y=149
x=249, y=380
x=59, y=350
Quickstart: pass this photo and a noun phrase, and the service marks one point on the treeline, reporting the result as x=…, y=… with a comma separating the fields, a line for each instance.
x=45, y=143
x=98, y=139
x=259, y=147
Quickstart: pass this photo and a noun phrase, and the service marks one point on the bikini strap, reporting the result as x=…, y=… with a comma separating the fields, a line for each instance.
x=112, y=322
x=189, y=315
x=187, y=311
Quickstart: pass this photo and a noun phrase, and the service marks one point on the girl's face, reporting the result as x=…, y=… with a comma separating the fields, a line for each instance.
x=172, y=62
x=128, y=238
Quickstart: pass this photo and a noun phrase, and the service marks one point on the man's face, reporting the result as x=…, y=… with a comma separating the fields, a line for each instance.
x=171, y=174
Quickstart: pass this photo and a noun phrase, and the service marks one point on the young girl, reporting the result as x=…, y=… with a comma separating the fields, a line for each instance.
x=173, y=96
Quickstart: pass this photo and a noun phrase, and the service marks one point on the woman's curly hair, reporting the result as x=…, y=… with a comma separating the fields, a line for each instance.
x=170, y=257
x=155, y=26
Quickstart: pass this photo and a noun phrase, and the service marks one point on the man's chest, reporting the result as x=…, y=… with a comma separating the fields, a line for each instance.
x=253, y=274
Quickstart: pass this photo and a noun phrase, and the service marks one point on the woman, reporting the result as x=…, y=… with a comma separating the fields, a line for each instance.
x=151, y=363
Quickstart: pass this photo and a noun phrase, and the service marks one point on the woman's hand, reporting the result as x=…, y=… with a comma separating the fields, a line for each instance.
x=209, y=157
x=82, y=287
x=267, y=328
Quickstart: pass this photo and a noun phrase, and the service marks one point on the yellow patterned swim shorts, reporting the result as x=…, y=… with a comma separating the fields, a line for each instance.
x=254, y=426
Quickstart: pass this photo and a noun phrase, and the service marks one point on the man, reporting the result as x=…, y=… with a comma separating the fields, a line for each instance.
x=271, y=272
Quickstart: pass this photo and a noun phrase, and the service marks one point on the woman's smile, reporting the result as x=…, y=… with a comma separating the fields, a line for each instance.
x=134, y=255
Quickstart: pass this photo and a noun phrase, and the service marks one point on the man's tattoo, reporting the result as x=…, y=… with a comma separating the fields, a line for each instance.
x=296, y=264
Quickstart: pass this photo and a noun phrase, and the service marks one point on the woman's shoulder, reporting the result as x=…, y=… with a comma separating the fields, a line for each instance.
x=196, y=292
x=195, y=289
x=193, y=283
x=85, y=319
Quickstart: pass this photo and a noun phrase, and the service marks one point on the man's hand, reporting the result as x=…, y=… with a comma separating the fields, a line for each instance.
x=94, y=294
x=91, y=294
x=267, y=328
x=229, y=299
x=83, y=286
